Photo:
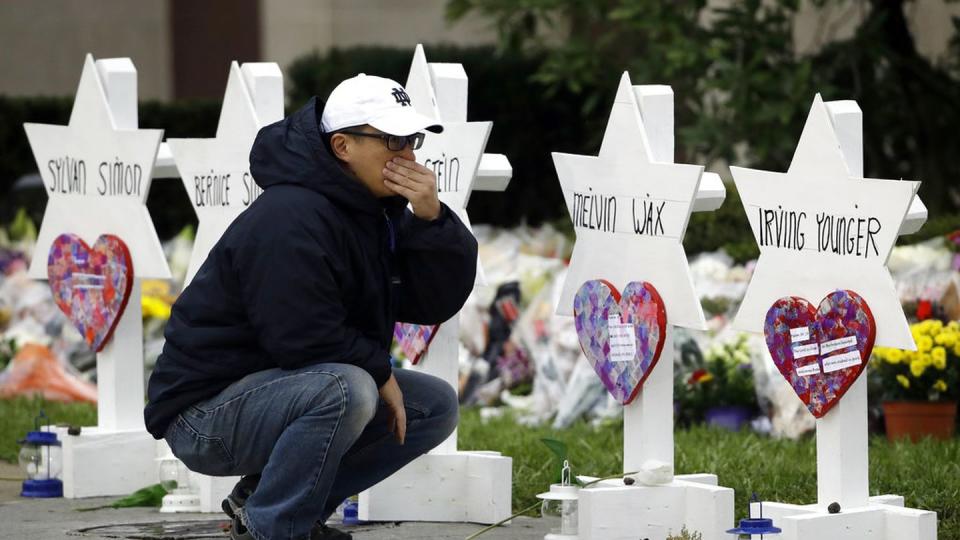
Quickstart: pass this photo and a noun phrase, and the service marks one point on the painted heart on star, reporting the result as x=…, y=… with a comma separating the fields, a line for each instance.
x=621, y=335
x=414, y=339
x=91, y=285
x=820, y=351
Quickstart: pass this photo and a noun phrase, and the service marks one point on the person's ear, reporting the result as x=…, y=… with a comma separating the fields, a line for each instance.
x=340, y=146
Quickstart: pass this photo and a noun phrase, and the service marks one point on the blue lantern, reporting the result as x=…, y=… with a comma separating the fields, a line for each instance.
x=41, y=459
x=751, y=525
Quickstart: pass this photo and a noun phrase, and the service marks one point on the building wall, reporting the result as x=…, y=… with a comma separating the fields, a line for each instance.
x=815, y=27
x=207, y=35
x=292, y=27
x=43, y=43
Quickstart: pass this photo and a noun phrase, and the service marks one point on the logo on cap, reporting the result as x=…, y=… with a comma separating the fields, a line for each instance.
x=401, y=96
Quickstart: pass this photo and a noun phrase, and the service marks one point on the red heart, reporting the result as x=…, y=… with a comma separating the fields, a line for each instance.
x=624, y=362
x=91, y=286
x=414, y=339
x=820, y=352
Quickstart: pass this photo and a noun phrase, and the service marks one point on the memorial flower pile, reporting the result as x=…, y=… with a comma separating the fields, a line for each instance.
x=931, y=373
x=724, y=379
x=953, y=242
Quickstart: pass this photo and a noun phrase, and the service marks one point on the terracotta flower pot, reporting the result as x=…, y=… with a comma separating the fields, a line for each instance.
x=917, y=419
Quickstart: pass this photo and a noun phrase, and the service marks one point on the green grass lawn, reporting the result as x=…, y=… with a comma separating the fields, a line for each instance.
x=16, y=419
x=927, y=474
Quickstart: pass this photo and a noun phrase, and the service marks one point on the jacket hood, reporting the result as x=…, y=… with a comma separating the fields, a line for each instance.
x=291, y=151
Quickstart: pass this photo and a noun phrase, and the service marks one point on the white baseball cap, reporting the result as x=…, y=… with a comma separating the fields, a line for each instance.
x=377, y=101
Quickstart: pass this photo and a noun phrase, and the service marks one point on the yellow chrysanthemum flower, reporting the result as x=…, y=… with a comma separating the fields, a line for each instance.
x=949, y=338
x=924, y=344
x=940, y=360
x=940, y=385
x=953, y=325
x=155, y=307
x=936, y=326
x=917, y=367
x=903, y=380
x=925, y=359
x=894, y=356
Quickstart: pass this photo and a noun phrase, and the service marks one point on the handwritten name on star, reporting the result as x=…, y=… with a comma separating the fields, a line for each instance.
x=446, y=170
x=213, y=189
x=597, y=211
x=845, y=235
x=69, y=174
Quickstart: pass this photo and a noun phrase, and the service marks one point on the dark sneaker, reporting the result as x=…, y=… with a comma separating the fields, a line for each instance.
x=231, y=505
x=322, y=532
x=238, y=497
x=319, y=532
x=238, y=531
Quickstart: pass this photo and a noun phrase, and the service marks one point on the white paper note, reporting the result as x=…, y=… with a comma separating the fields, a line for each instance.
x=800, y=333
x=623, y=341
x=840, y=361
x=801, y=351
x=809, y=369
x=837, y=344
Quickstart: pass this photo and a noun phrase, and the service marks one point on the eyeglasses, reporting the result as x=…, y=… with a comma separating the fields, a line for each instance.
x=393, y=142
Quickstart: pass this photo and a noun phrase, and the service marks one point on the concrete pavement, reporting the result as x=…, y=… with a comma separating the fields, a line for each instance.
x=57, y=519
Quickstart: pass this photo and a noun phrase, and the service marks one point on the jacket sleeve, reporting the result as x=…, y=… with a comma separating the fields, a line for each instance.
x=437, y=261
x=289, y=286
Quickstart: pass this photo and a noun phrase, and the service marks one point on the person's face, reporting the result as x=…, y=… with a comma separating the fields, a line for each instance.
x=366, y=157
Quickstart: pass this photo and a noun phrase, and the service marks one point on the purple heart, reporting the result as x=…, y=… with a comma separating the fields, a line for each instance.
x=91, y=285
x=621, y=336
x=820, y=352
x=414, y=339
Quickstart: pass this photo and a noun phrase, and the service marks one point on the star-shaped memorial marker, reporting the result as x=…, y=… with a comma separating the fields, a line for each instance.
x=216, y=172
x=454, y=155
x=97, y=177
x=630, y=214
x=820, y=229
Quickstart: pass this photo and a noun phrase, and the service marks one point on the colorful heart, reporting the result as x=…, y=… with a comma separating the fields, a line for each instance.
x=414, y=339
x=822, y=351
x=91, y=286
x=621, y=336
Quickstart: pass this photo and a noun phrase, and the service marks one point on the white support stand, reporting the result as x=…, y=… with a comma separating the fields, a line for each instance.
x=614, y=511
x=842, y=436
x=611, y=510
x=446, y=484
x=253, y=98
x=117, y=456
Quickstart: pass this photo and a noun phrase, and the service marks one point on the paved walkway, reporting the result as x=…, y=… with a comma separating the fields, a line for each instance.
x=56, y=519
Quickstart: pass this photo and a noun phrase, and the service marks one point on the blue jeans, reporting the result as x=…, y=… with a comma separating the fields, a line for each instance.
x=316, y=435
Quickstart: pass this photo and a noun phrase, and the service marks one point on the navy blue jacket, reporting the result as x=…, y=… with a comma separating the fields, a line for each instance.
x=316, y=270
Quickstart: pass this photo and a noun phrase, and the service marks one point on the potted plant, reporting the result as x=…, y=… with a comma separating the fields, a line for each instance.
x=919, y=388
x=721, y=392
